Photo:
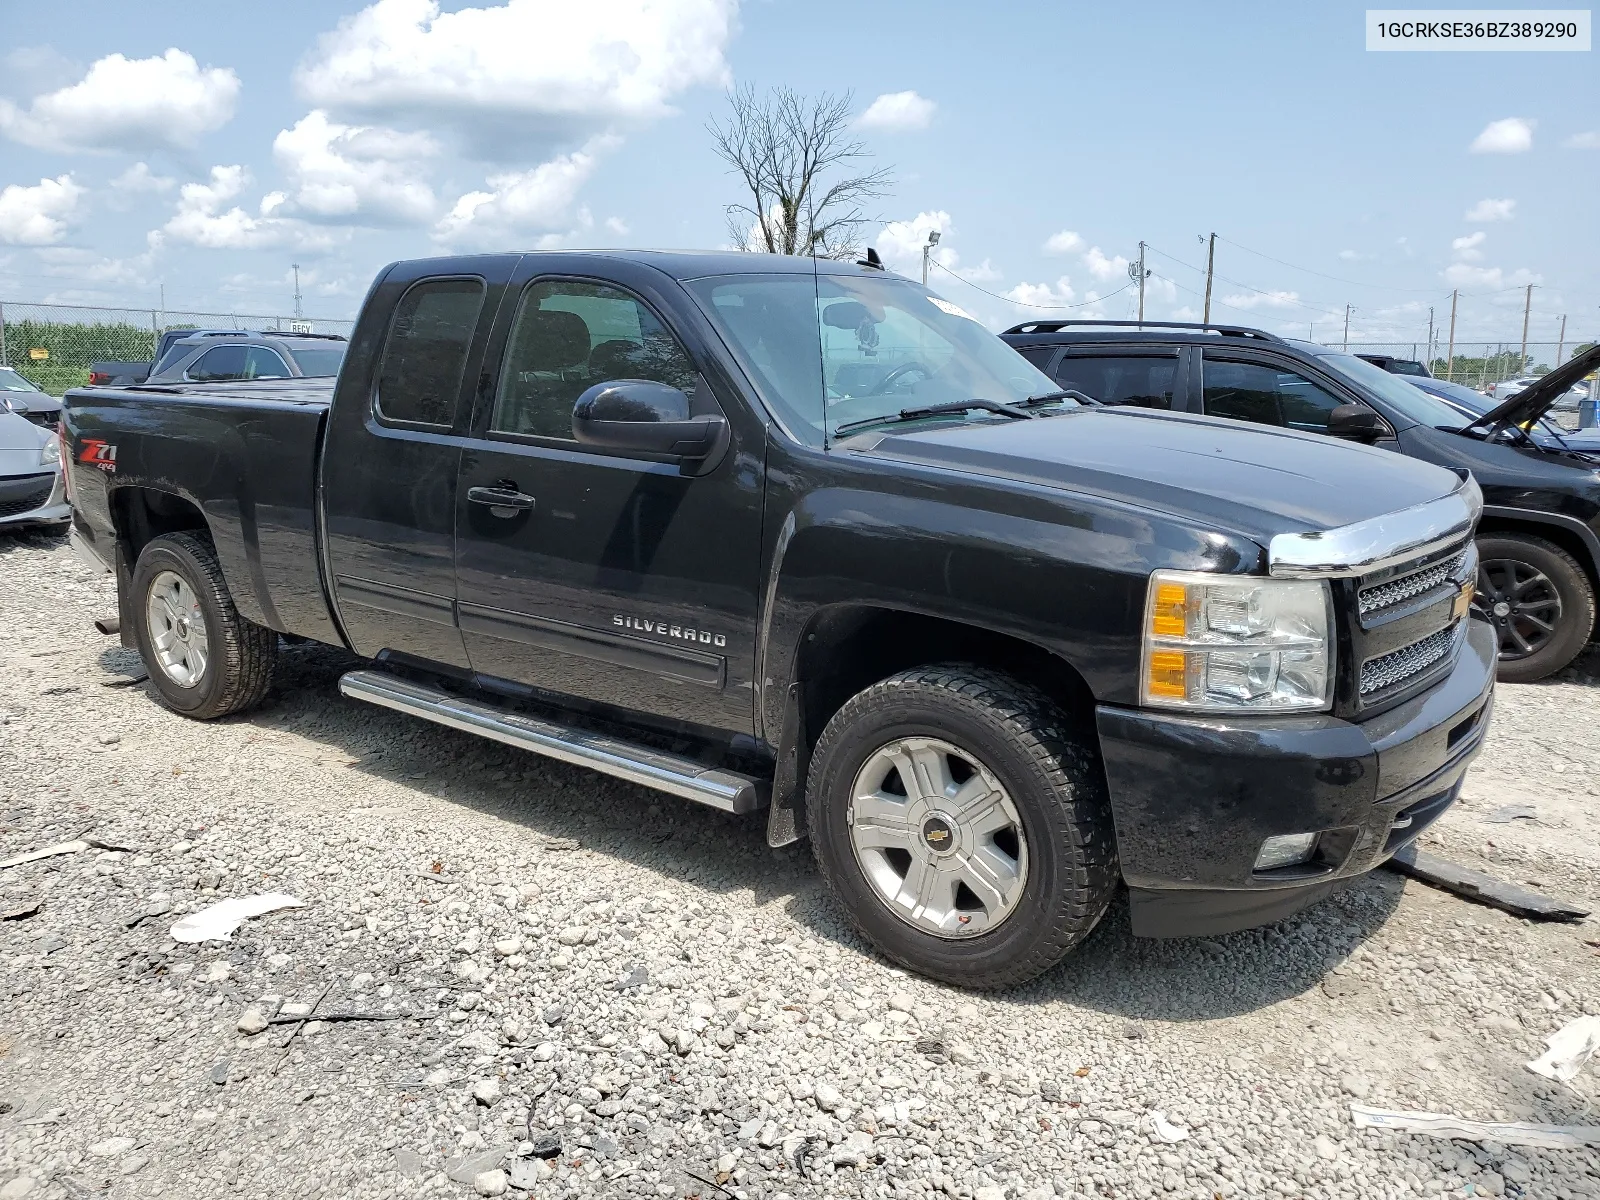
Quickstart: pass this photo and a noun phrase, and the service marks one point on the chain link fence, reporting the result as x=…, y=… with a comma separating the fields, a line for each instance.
x=1478, y=365
x=52, y=345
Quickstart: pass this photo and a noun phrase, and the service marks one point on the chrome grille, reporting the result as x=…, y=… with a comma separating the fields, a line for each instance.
x=1397, y=591
x=1397, y=666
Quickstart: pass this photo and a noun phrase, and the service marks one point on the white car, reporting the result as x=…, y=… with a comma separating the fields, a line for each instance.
x=1567, y=401
x=32, y=490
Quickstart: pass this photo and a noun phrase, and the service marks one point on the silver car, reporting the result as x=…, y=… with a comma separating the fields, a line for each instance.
x=32, y=489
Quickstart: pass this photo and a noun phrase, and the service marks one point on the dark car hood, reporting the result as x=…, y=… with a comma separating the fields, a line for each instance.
x=1240, y=478
x=1534, y=401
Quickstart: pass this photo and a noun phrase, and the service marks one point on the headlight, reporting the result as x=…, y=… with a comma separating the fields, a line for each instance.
x=50, y=452
x=1218, y=643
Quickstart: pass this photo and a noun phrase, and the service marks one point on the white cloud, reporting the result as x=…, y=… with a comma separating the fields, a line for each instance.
x=342, y=172
x=38, y=216
x=1355, y=256
x=1466, y=248
x=1491, y=210
x=1044, y=295
x=526, y=71
x=1461, y=274
x=1510, y=135
x=1103, y=268
x=89, y=266
x=1273, y=299
x=128, y=104
x=896, y=111
x=519, y=203
x=201, y=220
x=140, y=178
x=617, y=226
x=1584, y=141
x=1065, y=242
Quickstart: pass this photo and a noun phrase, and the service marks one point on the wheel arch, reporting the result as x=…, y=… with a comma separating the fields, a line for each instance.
x=847, y=647
x=1570, y=534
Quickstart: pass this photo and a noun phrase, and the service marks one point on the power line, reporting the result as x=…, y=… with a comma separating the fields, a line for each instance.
x=1024, y=303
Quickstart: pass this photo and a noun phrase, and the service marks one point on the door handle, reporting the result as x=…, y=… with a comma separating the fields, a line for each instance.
x=502, y=495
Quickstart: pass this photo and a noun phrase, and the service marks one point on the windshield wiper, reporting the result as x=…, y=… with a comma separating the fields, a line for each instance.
x=934, y=410
x=1063, y=394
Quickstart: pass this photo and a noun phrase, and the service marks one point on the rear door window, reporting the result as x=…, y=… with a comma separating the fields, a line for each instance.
x=1266, y=395
x=219, y=363
x=419, y=380
x=1142, y=380
x=262, y=363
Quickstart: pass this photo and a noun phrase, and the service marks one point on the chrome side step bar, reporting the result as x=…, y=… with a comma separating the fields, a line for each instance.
x=643, y=765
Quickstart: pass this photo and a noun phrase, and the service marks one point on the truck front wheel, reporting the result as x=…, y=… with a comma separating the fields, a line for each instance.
x=204, y=658
x=962, y=824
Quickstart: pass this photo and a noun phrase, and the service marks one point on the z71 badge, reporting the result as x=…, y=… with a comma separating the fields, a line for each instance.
x=682, y=633
x=98, y=453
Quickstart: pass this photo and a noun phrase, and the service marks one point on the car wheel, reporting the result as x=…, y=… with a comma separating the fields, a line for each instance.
x=962, y=824
x=1538, y=599
x=205, y=660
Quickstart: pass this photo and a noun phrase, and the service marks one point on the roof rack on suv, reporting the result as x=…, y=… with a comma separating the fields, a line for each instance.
x=1244, y=331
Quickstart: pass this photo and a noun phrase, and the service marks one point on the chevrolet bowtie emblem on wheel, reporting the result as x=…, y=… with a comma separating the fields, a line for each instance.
x=682, y=633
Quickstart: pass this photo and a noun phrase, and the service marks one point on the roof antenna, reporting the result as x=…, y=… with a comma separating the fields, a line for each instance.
x=871, y=260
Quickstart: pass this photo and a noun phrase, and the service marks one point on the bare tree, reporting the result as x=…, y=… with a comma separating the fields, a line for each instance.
x=799, y=165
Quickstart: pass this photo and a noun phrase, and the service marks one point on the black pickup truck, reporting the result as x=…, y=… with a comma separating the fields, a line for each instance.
x=769, y=532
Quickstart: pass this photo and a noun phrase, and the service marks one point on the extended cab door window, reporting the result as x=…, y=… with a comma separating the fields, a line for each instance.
x=1142, y=380
x=426, y=352
x=568, y=336
x=1267, y=394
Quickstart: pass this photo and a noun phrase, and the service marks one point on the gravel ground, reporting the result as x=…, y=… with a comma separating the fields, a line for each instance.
x=599, y=991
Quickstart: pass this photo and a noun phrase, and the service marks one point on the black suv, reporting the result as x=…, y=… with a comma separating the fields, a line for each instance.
x=225, y=356
x=1539, y=541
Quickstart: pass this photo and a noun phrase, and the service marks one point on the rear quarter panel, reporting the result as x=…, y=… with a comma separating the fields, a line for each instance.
x=249, y=466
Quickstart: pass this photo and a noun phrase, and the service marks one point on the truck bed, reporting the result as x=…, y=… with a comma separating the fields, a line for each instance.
x=244, y=454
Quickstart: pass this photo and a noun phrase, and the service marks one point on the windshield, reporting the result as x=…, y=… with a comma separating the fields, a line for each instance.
x=1411, y=401
x=317, y=360
x=858, y=348
x=10, y=381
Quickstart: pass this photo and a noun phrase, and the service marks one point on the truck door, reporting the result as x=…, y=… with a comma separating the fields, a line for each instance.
x=612, y=578
x=393, y=448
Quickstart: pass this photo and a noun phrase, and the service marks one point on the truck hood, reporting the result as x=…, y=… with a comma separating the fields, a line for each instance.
x=1534, y=401
x=1239, y=478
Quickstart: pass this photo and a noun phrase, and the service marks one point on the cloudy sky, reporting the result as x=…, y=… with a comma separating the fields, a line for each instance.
x=155, y=145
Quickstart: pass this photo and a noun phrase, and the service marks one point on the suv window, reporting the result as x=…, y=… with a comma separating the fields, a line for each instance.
x=220, y=362
x=569, y=336
x=426, y=351
x=1266, y=395
x=1146, y=381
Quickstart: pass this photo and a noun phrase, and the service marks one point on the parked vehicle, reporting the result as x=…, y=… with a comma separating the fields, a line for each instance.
x=1539, y=541
x=1397, y=366
x=24, y=398
x=113, y=373
x=1472, y=404
x=1566, y=402
x=31, y=487
x=767, y=531
x=224, y=357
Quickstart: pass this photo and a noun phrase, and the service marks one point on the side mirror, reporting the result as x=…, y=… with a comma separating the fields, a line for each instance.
x=644, y=416
x=1354, y=421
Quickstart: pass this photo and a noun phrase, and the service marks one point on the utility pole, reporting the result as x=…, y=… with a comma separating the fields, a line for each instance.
x=1430, y=333
x=1211, y=262
x=1347, y=326
x=1562, y=344
x=1138, y=274
x=1450, y=364
x=1527, y=307
x=298, y=314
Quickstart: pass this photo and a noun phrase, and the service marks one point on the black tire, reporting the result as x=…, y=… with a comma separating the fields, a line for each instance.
x=242, y=654
x=1054, y=778
x=1555, y=592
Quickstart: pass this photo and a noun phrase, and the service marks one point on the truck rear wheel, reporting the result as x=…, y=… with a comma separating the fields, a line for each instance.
x=962, y=824
x=1539, y=601
x=204, y=658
